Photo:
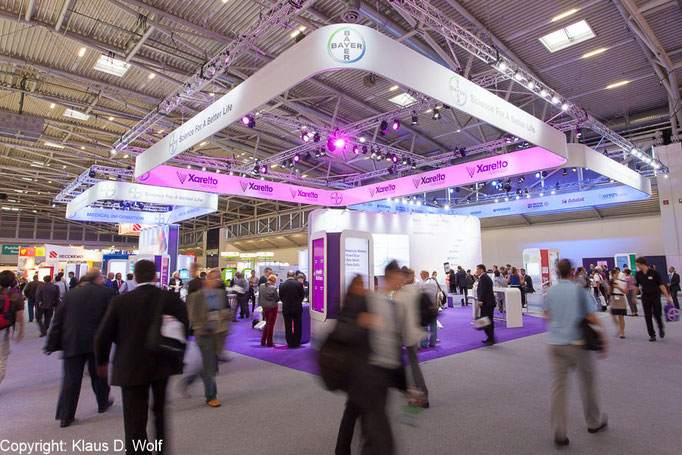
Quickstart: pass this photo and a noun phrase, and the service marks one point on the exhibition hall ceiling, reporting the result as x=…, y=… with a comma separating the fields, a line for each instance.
x=69, y=113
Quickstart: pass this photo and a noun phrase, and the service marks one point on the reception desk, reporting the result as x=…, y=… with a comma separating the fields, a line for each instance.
x=512, y=305
x=279, y=336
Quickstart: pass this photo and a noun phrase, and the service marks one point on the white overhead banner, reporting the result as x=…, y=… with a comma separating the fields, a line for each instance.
x=184, y=204
x=521, y=206
x=58, y=253
x=347, y=46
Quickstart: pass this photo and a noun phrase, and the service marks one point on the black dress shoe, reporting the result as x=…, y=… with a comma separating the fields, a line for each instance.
x=65, y=423
x=602, y=427
x=104, y=408
x=661, y=333
x=488, y=342
x=652, y=339
x=560, y=444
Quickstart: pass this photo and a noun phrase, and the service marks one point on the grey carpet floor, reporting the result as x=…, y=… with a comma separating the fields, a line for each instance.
x=491, y=400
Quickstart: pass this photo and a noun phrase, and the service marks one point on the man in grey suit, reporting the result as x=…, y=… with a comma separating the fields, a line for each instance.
x=73, y=331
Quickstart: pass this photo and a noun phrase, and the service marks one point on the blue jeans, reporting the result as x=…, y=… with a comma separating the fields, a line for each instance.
x=209, y=358
x=431, y=340
x=31, y=306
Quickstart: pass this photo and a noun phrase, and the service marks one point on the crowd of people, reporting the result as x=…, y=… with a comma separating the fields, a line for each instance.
x=84, y=317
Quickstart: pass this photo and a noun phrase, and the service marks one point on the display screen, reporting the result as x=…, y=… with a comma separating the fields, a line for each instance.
x=622, y=261
x=317, y=282
x=356, y=259
x=446, y=267
x=228, y=274
x=118, y=267
x=184, y=274
x=533, y=268
x=388, y=247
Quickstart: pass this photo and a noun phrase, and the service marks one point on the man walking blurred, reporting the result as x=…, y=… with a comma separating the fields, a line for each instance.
x=137, y=369
x=566, y=304
x=30, y=292
x=73, y=332
x=47, y=298
x=11, y=313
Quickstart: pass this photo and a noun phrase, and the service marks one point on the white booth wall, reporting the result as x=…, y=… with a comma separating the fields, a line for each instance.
x=575, y=240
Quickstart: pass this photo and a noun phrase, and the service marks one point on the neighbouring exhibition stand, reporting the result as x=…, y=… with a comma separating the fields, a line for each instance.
x=346, y=243
x=541, y=265
x=513, y=309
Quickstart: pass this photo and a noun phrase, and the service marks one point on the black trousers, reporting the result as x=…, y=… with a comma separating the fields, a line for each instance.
x=135, y=410
x=253, y=300
x=44, y=317
x=652, y=307
x=367, y=399
x=71, y=385
x=293, y=337
x=464, y=290
x=243, y=305
x=490, y=330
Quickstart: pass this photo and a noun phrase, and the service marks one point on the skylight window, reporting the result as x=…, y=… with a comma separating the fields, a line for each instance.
x=110, y=65
x=76, y=114
x=568, y=36
x=403, y=99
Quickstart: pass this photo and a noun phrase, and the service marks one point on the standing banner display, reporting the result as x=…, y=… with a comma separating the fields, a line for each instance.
x=354, y=47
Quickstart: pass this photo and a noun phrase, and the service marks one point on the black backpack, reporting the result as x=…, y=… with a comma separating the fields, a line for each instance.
x=428, y=311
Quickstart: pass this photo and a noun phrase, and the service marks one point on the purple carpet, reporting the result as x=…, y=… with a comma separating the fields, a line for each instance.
x=457, y=335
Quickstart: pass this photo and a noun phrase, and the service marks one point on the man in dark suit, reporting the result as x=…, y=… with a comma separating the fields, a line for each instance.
x=486, y=301
x=291, y=293
x=461, y=277
x=47, y=298
x=196, y=283
x=117, y=283
x=266, y=274
x=674, y=286
x=136, y=369
x=73, y=332
x=73, y=281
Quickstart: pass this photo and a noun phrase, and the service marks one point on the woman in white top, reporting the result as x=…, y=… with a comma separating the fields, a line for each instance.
x=618, y=302
x=62, y=285
x=596, y=284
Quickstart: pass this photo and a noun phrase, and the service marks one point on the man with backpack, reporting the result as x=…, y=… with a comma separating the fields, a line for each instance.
x=47, y=299
x=11, y=312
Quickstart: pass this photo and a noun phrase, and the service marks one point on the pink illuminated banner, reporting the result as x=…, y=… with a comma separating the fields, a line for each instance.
x=521, y=162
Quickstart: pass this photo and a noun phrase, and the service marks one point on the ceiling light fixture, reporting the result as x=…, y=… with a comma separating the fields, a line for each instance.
x=110, y=65
x=151, y=76
x=617, y=84
x=567, y=36
x=564, y=15
x=415, y=119
x=393, y=88
x=594, y=52
x=81, y=52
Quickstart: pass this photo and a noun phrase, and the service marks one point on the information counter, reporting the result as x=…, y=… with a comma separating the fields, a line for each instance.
x=512, y=305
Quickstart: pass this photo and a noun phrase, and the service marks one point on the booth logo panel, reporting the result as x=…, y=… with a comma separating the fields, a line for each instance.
x=346, y=45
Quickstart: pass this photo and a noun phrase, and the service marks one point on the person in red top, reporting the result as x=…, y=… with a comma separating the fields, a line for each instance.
x=11, y=313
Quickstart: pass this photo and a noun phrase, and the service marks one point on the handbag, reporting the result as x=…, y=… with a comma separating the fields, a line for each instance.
x=672, y=314
x=590, y=336
x=166, y=338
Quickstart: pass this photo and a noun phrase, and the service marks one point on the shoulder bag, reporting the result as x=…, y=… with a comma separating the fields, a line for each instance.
x=166, y=338
x=589, y=334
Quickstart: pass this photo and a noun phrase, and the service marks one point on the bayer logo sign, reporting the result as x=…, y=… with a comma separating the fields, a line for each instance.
x=346, y=45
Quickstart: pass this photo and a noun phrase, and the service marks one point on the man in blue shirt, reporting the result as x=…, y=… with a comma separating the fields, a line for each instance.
x=566, y=304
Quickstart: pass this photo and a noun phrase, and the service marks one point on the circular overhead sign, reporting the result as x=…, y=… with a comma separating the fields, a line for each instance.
x=346, y=45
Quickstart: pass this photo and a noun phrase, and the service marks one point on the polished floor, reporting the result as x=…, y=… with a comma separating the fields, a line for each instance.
x=489, y=400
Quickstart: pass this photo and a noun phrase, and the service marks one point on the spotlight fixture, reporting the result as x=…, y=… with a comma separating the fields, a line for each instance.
x=390, y=170
x=330, y=144
x=565, y=172
x=307, y=156
x=544, y=174
x=396, y=125
x=574, y=170
x=316, y=137
x=531, y=85
x=339, y=142
x=296, y=158
x=404, y=162
x=364, y=150
x=537, y=175
x=305, y=137
x=463, y=152
x=522, y=179
x=555, y=99
x=263, y=169
x=394, y=158
x=362, y=139
x=415, y=119
x=374, y=153
x=249, y=121
x=436, y=113
x=544, y=93
x=356, y=150
x=413, y=166
x=383, y=127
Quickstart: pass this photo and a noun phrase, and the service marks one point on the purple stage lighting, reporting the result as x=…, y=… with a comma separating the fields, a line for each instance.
x=356, y=150
x=396, y=124
x=248, y=121
x=305, y=137
x=339, y=142
x=297, y=158
x=394, y=158
x=263, y=169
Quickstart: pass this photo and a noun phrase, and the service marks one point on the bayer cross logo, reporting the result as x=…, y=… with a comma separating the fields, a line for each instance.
x=173, y=143
x=160, y=218
x=346, y=45
x=143, y=177
x=471, y=170
x=181, y=176
x=458, y=95
x=336, y=198
x=108, y=190
x=135, y=193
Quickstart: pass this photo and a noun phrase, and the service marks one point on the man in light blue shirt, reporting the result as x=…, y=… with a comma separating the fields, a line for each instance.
x=566, y=304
